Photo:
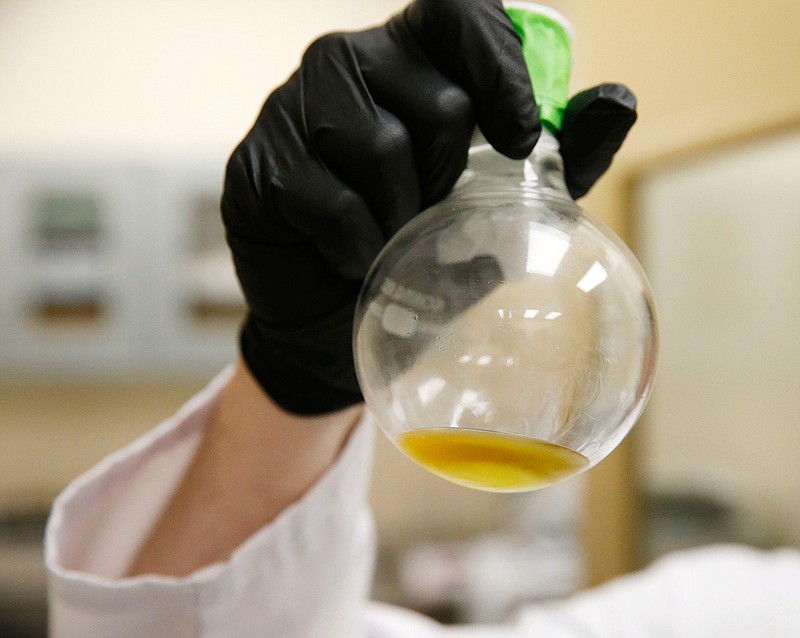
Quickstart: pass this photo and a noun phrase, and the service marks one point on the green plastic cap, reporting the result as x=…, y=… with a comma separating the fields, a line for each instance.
x=546, y=44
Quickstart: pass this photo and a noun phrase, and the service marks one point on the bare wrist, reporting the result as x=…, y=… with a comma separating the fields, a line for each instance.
x=255, y=460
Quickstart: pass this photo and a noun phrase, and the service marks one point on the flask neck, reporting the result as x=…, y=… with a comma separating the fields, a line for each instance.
x=541, y=172
x=544, y=168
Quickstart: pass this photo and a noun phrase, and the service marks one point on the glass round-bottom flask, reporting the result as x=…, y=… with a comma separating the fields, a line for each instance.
x=504, y=339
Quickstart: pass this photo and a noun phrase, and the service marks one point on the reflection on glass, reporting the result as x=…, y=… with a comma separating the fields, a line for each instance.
x=429, y=389
x=595, y=276
x=546, y=248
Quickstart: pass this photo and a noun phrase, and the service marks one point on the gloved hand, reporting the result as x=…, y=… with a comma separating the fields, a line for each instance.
x=372, y=128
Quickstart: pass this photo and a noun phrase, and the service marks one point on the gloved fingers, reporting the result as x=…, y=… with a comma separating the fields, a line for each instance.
x=596, y=122
x=278, y=191
x=437, y=113
x=365, y=145
x=285, y=276
x=474, y=43
x=289, y=285
x=333, y=216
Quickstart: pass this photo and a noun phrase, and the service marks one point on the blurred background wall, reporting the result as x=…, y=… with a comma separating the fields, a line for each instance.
x=711, y=77
x=144, y=100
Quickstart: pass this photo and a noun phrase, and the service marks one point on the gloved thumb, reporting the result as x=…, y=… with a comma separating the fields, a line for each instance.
x=596, y=122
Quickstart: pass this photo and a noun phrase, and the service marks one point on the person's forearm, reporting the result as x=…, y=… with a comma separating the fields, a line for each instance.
x=254, y=461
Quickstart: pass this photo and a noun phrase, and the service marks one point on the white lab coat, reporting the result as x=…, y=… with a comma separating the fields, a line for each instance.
x=307, y=574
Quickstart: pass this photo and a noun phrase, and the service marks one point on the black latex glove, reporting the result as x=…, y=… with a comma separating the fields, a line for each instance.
x=373, y=127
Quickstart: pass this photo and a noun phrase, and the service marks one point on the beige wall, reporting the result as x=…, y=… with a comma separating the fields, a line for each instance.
x=151, y=77
x=51, y=433
x=703, y=71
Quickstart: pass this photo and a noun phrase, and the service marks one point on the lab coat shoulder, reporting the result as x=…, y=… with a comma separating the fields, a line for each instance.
x=306, y=574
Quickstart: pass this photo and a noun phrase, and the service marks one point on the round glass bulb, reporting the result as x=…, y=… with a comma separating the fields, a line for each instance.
x=504, y=339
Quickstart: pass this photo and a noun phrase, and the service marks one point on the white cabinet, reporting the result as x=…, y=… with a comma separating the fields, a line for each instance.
x=114, y=269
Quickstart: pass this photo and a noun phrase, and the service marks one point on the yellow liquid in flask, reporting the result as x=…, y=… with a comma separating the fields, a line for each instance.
x=490, y=461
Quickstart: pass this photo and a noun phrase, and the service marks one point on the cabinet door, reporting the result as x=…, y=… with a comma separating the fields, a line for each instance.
x=69, y=259
x=110, y=270
x=197, y=305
